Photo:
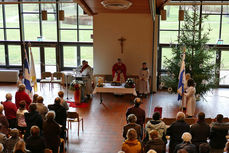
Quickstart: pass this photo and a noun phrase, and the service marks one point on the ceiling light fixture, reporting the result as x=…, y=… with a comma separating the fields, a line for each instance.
x=116, y=4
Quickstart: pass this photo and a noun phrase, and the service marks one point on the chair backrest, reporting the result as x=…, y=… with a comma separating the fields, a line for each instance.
x=46, y=75
x=208, y=120
x=72, y=115
x=47, y=151
x=169, y=121
x=190, y=121
x=147, y=119
x=58, y=75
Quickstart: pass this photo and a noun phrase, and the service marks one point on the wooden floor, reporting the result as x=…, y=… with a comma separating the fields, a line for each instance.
x=103, y=122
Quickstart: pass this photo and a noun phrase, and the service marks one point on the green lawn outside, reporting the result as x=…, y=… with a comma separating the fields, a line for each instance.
x=32, y=31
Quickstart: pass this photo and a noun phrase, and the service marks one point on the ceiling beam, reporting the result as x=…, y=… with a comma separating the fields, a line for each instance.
x=163, y=4
x=85, y=7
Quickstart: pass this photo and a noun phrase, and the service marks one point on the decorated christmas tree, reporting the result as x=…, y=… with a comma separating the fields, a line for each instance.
x=199, y=58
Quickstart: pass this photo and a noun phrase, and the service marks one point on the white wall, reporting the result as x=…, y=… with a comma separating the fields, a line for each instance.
x=138, y=31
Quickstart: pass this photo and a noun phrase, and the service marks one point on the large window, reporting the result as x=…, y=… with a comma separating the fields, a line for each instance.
x=21, y=24
x=14, y=53
x=2, y=55
x=217, y=21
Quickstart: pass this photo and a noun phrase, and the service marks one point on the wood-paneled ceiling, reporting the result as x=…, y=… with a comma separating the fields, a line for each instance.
x=138, y=6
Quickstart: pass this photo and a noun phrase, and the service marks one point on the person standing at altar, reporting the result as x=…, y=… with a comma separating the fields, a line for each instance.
x=87, y=71
x=190, y=98
x=119, y=71
x=184, y=99
x=144, y=80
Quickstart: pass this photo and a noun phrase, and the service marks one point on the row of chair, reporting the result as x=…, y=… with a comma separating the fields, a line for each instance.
x=51, y=78
x=190, y=121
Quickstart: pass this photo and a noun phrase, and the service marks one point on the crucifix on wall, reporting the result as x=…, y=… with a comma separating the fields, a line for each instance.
x=122, y=39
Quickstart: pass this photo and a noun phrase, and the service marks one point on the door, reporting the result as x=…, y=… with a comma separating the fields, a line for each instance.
x=224, y=68
x=50, y=64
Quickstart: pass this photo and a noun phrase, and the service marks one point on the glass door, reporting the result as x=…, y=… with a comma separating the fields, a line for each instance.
x=50, y=59
x=37, y=61
x=224, y=68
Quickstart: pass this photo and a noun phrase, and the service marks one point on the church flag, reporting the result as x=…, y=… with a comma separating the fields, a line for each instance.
x=27, y=77
x=33, y=72
x=181, y=77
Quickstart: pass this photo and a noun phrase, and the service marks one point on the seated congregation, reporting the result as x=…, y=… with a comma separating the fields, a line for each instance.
x=182, y=137
x=30, y=126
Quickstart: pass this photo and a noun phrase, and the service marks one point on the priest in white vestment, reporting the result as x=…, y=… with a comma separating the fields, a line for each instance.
x=87, y=72
x=190, y=98
x=144, y=80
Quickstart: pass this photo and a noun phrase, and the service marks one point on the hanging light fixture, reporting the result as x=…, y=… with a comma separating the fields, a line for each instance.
x=61, y=14
x=44, y=15
x=181, y=14
x=163, y=14
x=116, y=4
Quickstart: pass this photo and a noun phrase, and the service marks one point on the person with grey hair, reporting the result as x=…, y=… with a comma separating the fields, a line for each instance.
x=138, y=112
x=10, y=110
x=131, y=145
x=176, y=130
x=35, y=143
x=152, y=151
x=186, y=144
x=51, y=131
x=61, y=114
x=12, y=140
x=3, y=121
x=131, y=119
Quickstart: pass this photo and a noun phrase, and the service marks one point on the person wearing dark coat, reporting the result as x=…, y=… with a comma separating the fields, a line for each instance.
x=52, y=132
x=32, y=118
x=176, y=130
x=155, y=143
x=138, y=112
x=61, y=115
x=186, y=144
x=132, y=124
x=218, y=133
x=35, y=143
x=200, y=131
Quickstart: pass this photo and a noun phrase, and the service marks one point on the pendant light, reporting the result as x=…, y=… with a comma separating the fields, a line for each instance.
x=61, y=14
x=44, y=14
x=163, y=14
x=181, y=14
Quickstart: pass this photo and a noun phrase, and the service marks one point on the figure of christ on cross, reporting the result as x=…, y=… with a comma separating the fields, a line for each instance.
x=122, y=39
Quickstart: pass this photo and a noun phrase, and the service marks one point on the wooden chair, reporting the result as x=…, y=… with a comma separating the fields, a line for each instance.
x=169, y=121
x=47, y=150
x=190, y=121
x=46, y=77
x=208, y=120
x=74, y=117
x=57, y=77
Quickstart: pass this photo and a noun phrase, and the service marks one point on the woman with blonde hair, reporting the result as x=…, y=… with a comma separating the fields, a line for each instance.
x=131, y=145
x=20, y=147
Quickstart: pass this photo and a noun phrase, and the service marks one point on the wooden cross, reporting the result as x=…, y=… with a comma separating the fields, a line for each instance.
x=122, y=39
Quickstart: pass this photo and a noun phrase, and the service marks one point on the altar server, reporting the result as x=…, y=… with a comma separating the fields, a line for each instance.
x=87, y=71
x=144, y=80
x=119, y=71
x=190, y=98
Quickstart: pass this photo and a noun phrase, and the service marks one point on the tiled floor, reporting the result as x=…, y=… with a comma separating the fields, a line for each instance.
x=103, y=122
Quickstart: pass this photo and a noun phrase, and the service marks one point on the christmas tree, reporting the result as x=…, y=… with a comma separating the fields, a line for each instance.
x=199, y=58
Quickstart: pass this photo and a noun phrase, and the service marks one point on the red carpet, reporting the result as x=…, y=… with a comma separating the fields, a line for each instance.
x=81, y=105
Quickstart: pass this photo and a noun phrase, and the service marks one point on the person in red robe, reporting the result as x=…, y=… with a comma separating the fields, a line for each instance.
x=119, y=71
x=22, y=95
